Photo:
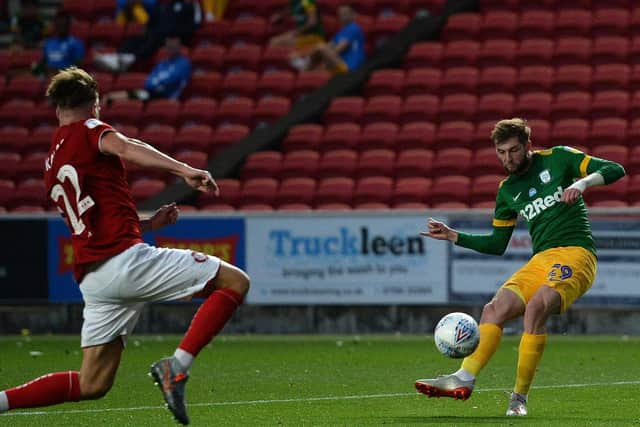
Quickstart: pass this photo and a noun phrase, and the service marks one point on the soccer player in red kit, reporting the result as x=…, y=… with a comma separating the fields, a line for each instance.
x=118, y=273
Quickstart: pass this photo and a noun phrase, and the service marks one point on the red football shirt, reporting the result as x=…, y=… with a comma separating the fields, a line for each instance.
x=91, y=190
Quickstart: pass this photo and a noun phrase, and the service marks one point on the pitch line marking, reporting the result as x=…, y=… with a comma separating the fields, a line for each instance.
x=301, y=399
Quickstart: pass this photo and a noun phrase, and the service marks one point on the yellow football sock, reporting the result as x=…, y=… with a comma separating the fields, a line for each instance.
x=529, y=355
x=490, y=335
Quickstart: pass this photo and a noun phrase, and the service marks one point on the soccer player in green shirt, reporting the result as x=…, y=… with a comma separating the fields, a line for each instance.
x=545, y=188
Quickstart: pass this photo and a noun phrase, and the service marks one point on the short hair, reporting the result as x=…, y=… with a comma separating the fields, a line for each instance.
x=509, y=128
x=72, y=88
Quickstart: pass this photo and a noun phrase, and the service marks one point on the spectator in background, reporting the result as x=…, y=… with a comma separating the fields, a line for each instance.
x=166, y=80
x=61, y=50
x=136, y=11
x=28, y=26
x=176, y=17
x=214, y=9
x=345, y=52
x=308, y=32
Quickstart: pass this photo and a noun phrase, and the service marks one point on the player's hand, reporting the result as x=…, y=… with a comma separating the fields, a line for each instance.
x=439, y=231
x=166, y=215
x=570, y=195
x=202, y=181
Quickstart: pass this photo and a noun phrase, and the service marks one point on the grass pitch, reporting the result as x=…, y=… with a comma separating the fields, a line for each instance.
x=336, y=381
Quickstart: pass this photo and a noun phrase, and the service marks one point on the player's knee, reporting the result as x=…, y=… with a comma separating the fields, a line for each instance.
x=241, y=283
x=489, y=313
x=94, y=390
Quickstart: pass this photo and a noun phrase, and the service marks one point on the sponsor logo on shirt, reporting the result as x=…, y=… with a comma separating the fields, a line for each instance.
x=531, y=210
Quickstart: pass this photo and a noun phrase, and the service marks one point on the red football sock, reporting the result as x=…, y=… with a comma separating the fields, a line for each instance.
x=210, y=318
x=46, y=390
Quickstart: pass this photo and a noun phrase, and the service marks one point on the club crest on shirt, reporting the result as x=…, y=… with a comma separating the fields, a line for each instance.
x=92, y=123
x=545, y=176
x=532, y=192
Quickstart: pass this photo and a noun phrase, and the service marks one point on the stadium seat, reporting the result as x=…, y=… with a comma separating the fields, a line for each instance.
x=23, y=59
x=9, y=164
x=334, y=207
x=458, y=107
x=27, y=209
x=44, y=114
x=459, y=80
x=610, y=50
x=608, y=131
x=497, y=79
x=485, y=187
x=247, y=30
x=614, y=191
x=382, y=108
x=242, y=83
x=371, y=206
x=15, y=139
x=80, y=28
x=535, y=105
x=17, y=112
x=193, y=137
x=414, y=163
x=569, y=105
x=340, y=135
x=262, y=164
x=335, y=190
x=634, y=50
x=609, y=204
x=634, y=106
x=572, y=51
x=386, y=26
x=229, y=194
x=450, y=205
x=497, y=53
x=197, y=159
x=420, y=108
x=297, y=207
x=569, y=132
x=535, y=78
x=411, y=190
x=424, y=54
x=417, y=135
x=25, y=86
x=634, y=27
x=570, y=78
x=454, y=134
x=336, y=163
x=130, y=81
x=540, y=132
x=572, y=23
x=460, y=53
x=536, y=24
x=376, y=162
x=258, y=190
x=204, y=85
x=385, y=82
x=485, y=161
x=235, y=111
x=212, y=32
x=105, y=81
x=422, y=81
x=144, y=188
x=255, y=207
x=160, y=136
x=452, y=161
x=207, y=58
x=162, y=111
x=244, y=57
x=633, y=188
x=495, y=106
x=498, y=24
x=7, y=187
x=462, y=26
x=300, y=163
x=482, y=133
x=616, y=152
x=303, y=137
x=610, y=22
x=535, y=52
x=270, y=109
x=108, y=33
x=39, y=140
x=308, y=81
x=611, y=77
x=373, y=189
x=275, y=58
x=346, y=109
x=128, y=111
x=447, y=189
x=79, y=9
x=198, y=111
x=378, y=135
x=275, y=83
x=610, y=103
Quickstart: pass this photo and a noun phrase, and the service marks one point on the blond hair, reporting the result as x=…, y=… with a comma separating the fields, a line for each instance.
x=72, y=88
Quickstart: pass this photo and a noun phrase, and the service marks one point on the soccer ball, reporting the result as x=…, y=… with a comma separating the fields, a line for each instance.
x=457, y=335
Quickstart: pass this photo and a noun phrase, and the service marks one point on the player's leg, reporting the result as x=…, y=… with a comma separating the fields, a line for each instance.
x=93, y=381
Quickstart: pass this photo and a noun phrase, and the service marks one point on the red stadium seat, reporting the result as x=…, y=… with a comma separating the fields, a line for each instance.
x=300, y=163
x=308, y=81
x=207, y=58
x=196, y=159
x=26, y=86
x=614, y=191
x=570, y=78
x=634, y=49
x=31, y=191
x=15, y=138
x=262, y=164
x=371, y=206
x=458, y=107
x=411, y=190
x=296, y=190
x=385, y=82
x=160, y=136
x=611, y=22
x=610, y=103
x=44, y=114
x=572, y=50
x=424, y=54
x=270, y=109
x=635, y=22
x=22, y=60
x=258, y=191
x=40, y=139
x=607, y=131
x=105, y=81
x=255, y=207
x=569, y=132
x=416, y=135
x=536, y=51
x=9, y=164
x=535, y=105
x=247, y=30
x=145, y=188
x=80, y=29
x=235, y=111
x=499, y=25
x=275, y=58
x=454, y=134
x=198, y=111
x=573, y=23
x=212, y=32
x=452, y=188
x=335, y=190
x=452, y=161
x=382, y=108
x=373, y=189
x=450, y=205
x=243, y=57
x=485, y=161
x=459, y=80
x=482, y=133
x=420, y=108
x=386, y=26
x=79, y=9
x=127, y=111
x=535, y=78
x=462, y=26
x=540, y=132
x=460, y=53
x=569, y=105
x=17, y=112
x=7, y=187
x=103, y=10
x=422, y=81
x=334, y=207
x=495, y=106
x=378, y=135
x=497, y=79
x=434, y=7
x=205, y=85
x=194, y=137
x=130, y=81
x=414, y=163
x=275, y=83
x=633, y=189
x=376, y=162
x=497, y=52
x=634, y=106
x=615, y=152
x=485, y=187
x=229, y=194
x=303, y=137
x=162, y=111
x=346, y=109
x=242, y=83
x=297, y=207
x=611, y=77
x=106, y=32
x=610, y=50
x=536, y=24
x=336, y=163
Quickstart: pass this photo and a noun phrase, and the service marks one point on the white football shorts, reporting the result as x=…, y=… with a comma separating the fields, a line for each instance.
x=115, y=292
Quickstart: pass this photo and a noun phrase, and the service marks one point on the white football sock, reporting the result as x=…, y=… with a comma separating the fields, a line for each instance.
x=185, y=358
x=4, y=402
x=464, y=375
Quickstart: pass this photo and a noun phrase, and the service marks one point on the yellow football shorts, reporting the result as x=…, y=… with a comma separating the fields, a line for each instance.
x=308, y=41
x=569, y=270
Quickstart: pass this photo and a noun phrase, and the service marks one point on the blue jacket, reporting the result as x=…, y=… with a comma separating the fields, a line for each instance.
x=62, y=53
x=169, y=77
x=354, y=54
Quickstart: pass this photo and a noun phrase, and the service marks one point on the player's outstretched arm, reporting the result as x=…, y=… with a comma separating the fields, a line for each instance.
x=440, y=231
x=494, y=243
x=166, y=215
x=146, y=156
